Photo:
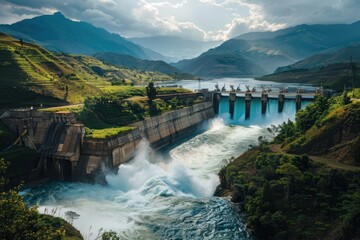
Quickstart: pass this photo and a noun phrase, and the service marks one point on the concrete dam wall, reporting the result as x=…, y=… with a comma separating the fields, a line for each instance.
x=169, y=127
x=160, y=131
x=66, y=153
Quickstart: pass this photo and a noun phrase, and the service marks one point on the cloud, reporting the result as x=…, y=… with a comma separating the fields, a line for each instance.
x=309, y=11
x=195, y=19
x=254, y=21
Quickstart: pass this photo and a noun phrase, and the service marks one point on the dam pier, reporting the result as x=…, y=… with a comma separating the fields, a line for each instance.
x=245, y=101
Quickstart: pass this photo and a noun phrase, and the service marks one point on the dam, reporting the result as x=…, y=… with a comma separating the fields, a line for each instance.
x=66, y=153
x=243, y=106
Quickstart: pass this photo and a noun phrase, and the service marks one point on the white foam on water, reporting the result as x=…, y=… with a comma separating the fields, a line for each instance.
x=153, y=197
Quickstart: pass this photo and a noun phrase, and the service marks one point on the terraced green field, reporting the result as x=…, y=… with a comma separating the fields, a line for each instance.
x=33, y=76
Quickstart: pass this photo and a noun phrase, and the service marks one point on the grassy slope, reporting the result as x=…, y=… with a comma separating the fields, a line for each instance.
x=336, y=135
x=38, y=72
x=145, y=65
x=31, y=75
x=103, y=71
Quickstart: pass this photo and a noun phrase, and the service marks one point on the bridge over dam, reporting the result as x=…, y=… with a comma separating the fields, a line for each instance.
x=246, y=104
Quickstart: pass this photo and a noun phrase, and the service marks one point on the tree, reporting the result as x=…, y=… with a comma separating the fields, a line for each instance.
x=110, y=235
x=345, y=98
x=18, y=220
x=71, y=216
x=307, y=117
x=273, y=130
x=290, y=173
x=151, y=92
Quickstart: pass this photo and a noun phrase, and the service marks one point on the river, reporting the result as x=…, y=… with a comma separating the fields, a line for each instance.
x=167, y=194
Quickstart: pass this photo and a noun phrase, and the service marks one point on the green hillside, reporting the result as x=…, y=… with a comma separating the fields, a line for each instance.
x=332, y=76
x=326, y=58
x=306, y=184
x=145, y=65
x=31, y=75
x=330, y=68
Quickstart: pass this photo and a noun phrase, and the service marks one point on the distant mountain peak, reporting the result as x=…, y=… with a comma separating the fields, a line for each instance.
x=61, y=34
x=59, y=15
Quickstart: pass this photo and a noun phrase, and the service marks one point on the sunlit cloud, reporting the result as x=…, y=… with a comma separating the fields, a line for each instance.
x=195, y=19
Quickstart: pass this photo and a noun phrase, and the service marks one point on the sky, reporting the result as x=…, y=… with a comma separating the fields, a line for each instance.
x=203, y=20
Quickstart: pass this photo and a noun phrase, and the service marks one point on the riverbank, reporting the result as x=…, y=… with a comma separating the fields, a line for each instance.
x=306, y=186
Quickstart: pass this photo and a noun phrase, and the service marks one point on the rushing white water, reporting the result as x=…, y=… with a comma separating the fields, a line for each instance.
x=167, y=195
x=160, y=195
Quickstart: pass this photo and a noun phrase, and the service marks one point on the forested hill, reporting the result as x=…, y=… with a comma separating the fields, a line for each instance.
x=330, y=68
x=305, y=184
x=333, y=76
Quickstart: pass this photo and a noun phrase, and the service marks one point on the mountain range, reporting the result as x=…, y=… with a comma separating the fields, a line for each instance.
x=176, y=48
x=233, y=58
x=328, y=57
x=330, y=68
x=57, y=33
x=248, y=55
x=263, y=52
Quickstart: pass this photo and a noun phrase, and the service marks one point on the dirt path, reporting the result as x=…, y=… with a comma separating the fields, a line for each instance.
x=276, y=148
x=59, y=108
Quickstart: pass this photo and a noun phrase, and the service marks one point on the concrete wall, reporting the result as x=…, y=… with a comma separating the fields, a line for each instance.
x=159, y=131
x=38, y=125
x=109, y=153
x=168, y=127
x=34, y=121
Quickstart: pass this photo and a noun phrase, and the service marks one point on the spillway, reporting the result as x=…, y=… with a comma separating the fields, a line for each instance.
x=271, y=115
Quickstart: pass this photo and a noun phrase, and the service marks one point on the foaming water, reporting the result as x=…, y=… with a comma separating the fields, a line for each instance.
x=158, y=197
x=271, y=116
